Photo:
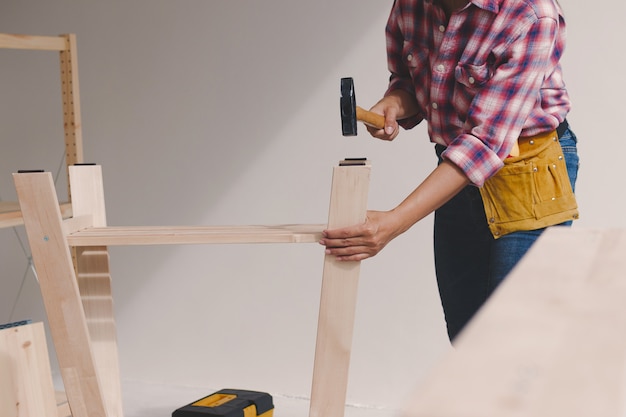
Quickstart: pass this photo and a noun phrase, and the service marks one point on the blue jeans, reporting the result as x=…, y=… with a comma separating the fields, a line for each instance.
x=469, y=262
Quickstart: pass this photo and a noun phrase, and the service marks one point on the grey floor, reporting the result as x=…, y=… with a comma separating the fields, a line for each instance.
x=146, y=399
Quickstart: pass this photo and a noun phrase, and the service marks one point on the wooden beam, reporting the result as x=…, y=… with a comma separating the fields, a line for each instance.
x=94, y=283
x=60, y=293
x=72, y=119
x=190, y=235
x=550, y=342
x=11, y=216
x=41, y=43
x=348, y=206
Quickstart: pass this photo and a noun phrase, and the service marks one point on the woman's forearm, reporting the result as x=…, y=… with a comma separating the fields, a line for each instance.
x=440, y=186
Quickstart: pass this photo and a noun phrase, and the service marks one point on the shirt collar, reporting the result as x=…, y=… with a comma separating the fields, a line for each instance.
x=488, y=5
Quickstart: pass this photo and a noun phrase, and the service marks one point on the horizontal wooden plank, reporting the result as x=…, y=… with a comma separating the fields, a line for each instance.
x=175, y=235
x=11, y=216
x=9, y=207
x=42, y=43
x=550, y=342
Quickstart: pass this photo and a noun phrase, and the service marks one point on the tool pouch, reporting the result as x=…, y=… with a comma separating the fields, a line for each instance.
x=532, y=190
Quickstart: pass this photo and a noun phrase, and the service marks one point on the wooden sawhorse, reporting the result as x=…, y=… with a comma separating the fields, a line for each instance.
x=77, y=290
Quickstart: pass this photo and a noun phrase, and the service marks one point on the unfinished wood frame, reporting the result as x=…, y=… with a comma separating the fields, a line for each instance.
x=79, y=303
x=10, y=214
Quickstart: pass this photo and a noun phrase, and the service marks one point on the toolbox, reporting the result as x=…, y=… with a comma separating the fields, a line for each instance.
x=229, y=403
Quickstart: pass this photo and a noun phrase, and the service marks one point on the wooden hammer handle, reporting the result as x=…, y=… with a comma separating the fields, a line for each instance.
x=370, y=118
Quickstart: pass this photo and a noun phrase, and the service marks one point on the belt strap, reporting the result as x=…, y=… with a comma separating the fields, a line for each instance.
x=560, y=130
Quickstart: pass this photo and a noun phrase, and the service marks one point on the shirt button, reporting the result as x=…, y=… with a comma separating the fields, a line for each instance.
x=442, y=28
x=441, y=68
x=434, y=106
x=471, y=80
x=409, y=57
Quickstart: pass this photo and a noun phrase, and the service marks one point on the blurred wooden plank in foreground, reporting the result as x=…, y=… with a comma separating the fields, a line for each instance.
x=550, y=342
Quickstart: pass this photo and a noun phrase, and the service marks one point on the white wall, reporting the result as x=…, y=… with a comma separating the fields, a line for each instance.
x=215, y=112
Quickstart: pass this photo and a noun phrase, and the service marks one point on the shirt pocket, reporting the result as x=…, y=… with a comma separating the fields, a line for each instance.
x=469, y=79
x=472, y=76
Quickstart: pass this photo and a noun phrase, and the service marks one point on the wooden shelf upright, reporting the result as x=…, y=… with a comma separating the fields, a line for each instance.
x=10, y=214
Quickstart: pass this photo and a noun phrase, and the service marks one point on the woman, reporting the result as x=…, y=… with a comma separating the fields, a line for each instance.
x=486, y=76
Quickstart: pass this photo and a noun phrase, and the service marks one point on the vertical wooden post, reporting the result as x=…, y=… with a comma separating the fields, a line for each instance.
x=94, y=282
x=72, y=123
x=59, y=289
x=348, y=206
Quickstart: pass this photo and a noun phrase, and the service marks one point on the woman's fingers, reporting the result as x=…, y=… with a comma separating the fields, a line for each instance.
x=354, y=243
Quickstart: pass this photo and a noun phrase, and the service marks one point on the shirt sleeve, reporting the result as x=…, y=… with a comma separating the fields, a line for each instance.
x=501, y=106
x=400, y=78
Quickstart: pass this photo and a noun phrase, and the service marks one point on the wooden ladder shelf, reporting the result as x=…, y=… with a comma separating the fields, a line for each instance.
x=65, y=45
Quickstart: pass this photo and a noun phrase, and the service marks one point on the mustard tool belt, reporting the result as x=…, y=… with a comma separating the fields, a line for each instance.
x=532, y=190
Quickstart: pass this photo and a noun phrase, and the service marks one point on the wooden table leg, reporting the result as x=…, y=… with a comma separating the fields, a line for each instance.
x=348, y=206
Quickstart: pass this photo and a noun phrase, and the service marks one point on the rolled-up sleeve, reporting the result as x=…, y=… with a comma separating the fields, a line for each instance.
x=475, y=159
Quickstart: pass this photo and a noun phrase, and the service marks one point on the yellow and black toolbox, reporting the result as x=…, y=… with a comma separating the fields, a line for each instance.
x=230, y=403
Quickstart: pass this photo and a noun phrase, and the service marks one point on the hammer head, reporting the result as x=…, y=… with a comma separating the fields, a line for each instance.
x=348, y=107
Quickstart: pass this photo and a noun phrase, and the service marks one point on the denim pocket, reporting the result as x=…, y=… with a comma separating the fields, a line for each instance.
x=569, y=143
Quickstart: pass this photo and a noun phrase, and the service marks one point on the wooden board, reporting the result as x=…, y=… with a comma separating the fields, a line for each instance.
x=94, y=284
x=10, y=215
x=25, y=378
x=177, y=235
x=42, y=43
x=60, y=293
x=550, y=342
x=72, y=119
x=348, y=206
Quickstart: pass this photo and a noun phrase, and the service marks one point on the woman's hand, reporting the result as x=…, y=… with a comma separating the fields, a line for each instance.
x=355, y=243
x=391, y=129
x=396, y=105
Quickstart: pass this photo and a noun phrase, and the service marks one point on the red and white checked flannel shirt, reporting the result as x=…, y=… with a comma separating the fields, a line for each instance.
x=488, y=76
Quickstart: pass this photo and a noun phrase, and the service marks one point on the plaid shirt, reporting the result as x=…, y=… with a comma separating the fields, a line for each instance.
x=482, y=79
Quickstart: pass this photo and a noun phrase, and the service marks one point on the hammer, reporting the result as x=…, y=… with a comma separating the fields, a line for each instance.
x=351, y=113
